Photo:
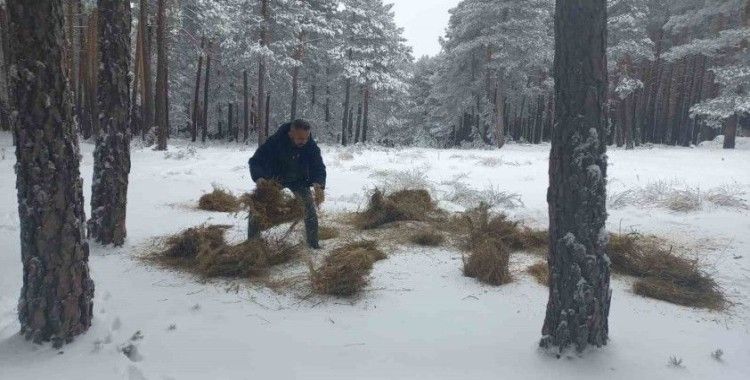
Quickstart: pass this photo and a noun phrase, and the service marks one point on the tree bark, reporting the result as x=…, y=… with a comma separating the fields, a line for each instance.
x=162, y=109
x=56, y=298
x=358, y=128
x=112, y=154
x=196, y=94
x=147, y=99
x=365, y=112
x=204, y=130
x=246, y=107
x=347, y=92
x=579, y=293
x=264, y=12
x=730, y=131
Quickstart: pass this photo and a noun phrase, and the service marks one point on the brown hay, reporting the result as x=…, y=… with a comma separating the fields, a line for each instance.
x=327, y=233
x=189, y=243
x=662, y=274
x=427, y=238
x=219, y=200
x=482, y=226
x=399, y=206
x=693, y=295
x=271, y=205
x=540, y=271
x=344, y=271
x=488, y=263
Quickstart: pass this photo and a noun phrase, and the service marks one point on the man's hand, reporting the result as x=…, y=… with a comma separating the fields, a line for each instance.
x=320, y=195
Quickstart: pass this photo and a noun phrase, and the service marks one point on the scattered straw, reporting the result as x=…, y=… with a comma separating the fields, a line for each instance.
x=427, y=238
x=344, y=271
x=271, y=205
x=219, y=200
x=540, y=271
x=327, y=233
x=488, y=263
x=399, y=206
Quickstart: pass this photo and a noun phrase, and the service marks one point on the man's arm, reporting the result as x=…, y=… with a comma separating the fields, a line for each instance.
x=317, y=168
x=260, y=163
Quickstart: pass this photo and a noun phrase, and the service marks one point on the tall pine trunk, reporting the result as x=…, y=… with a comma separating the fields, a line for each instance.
x=56, y=298
x=579, y=293
x=265, y=15
x=196, y=93
x=365, y=112
x=147, y=99
x=246, y=107
x=112, y=154
x=162, y=108
x=204, y=127
x=730, y=131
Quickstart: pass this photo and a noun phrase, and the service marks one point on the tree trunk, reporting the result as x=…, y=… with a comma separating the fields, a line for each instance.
x=230, y=124
x=345, y=119
x=358, y=128
x=4, y=85
x=579, y=293
x=264, y=12
x=204, y=130
x=112, y=154
x=730, y=131
x=161, y=77
x=56, y=298
x=246, y=107
x=298, y=55
x=196, y=93
x=268, y=113
x=147, y=100
x=365, y=112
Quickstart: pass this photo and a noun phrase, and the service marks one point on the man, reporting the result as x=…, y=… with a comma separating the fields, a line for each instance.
x=292, y=158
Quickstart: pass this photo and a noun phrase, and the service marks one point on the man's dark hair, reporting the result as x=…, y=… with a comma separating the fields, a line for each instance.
x=301, y=124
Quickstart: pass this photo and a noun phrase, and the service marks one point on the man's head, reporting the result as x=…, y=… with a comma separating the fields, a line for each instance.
x=299, y=133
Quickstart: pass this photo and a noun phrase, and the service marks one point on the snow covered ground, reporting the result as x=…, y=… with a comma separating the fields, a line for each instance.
x=419, y=317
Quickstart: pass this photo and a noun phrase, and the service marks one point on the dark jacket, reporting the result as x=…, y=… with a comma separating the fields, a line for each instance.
x=267, y=162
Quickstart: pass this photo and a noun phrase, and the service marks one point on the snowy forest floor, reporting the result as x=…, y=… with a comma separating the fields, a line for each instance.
x=419, y=317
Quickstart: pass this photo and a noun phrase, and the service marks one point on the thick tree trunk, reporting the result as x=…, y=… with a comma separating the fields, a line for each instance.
x=730, y=131
x=4, y=84
x=265, y=15
x=112, y=154
x=268, y=113
x=56, y=298
x=347, y=95
x=162, y=109
x=196, y=93
x=579, y=293
x=358, y=128
x=204, y=130
x=298, y=55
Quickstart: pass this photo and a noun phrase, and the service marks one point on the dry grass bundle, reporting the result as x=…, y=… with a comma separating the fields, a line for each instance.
x=427, y=238
x=327, y=233
x=344, y=271
x=189, y=243
x=488, y=263
x=662, y=274
x=398, y=206
x=481, y=225
x=540, y=271
x=219, y=200
x=271, y=205
x=204, y=251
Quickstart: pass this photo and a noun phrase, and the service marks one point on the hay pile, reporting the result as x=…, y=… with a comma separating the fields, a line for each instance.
x=219, y=200
x=398, y=206
x=540, y=271
x=345, y=270
x=271, y=205
x=662, y=274
x=204, y=251
x=327, y=233
x=480, y=225
x=488, y=262
x=427, y=238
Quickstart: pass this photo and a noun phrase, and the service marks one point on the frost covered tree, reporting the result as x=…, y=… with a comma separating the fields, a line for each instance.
x=726, y=46
x=112, y=154
x=56, y=298
x=579, y=293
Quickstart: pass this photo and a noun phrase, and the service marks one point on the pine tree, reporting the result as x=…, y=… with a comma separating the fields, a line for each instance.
x=162, y=92
x=112, y=153
x=56, y=298
x=579, y=293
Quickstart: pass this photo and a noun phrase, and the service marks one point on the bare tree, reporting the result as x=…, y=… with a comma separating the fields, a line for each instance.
x=579, y=293
x=56, y=298
x=162, y=95
x=112, y=154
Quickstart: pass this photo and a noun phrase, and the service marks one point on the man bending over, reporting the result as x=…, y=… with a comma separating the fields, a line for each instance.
x=292, y=158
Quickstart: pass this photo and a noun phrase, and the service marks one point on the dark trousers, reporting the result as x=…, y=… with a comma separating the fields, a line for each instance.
x=305, y=197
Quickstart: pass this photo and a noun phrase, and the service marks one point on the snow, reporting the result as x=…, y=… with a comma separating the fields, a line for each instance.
x=419, y=316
